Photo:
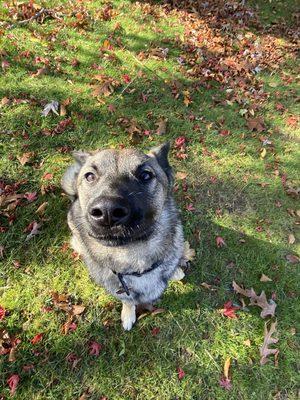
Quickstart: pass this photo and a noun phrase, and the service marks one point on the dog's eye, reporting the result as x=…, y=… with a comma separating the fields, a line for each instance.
x=90, y=177
x=146, y=176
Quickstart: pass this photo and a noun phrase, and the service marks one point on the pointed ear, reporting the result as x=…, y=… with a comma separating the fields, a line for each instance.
x=69, y=179
x=161, y=155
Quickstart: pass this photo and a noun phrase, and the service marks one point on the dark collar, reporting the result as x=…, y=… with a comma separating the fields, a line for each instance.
x=138, y=274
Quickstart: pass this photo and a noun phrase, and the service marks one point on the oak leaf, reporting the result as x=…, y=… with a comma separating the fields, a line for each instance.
x=265, y=351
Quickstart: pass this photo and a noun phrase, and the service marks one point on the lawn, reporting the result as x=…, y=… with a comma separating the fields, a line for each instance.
x=219, y=80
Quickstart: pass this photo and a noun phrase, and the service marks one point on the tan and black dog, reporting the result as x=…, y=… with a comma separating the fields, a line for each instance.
x=125, y=223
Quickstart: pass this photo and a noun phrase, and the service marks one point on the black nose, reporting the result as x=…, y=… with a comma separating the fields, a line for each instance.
x=109, y=211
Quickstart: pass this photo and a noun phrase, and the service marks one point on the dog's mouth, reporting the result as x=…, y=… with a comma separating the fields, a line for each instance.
x=120, y=236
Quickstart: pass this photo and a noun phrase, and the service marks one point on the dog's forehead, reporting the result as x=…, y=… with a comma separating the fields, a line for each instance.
x=111, y=160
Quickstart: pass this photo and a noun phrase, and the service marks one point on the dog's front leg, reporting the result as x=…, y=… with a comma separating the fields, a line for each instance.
x=128, y=316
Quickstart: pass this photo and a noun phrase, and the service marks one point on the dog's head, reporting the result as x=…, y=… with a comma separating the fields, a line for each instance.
x=121, y=192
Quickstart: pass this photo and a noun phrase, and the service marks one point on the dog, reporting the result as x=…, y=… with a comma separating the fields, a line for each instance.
x=125, y=223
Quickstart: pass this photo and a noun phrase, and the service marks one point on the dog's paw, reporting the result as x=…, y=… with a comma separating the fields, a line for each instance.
x=128, y=317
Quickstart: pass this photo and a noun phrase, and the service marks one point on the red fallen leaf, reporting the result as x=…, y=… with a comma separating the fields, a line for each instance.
x=13, y=381
x=5, y=64
x=180, y=141
x=292, y=121
x=2, y=313
x=111, y=108
x=225, y=383
x=30, y=196
x=220, y=241
x=27, y=368
x=37, y=338
x=47, y=176
x=72, y=327
x=16, y=264
x=190, y=207
x=229, y=310
x=279, y=107
x=180, y=373
x=213, y=179
x=95, y=348
x=144, y=98
x=126, y=78
x=224, y=132
x=155, y=331
x=73, y=359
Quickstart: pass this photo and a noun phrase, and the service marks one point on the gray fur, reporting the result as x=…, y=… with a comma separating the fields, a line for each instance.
x=164, y=243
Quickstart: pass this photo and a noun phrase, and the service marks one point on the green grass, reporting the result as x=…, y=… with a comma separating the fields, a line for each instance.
x=247, y=201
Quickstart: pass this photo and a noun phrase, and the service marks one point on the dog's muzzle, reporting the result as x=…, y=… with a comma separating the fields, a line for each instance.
x=109, y=211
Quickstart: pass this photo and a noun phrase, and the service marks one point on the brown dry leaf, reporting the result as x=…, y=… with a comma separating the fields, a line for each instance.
x=268, y=340
x=181, y=175
x=188, y=254
x=161, y=127
x=158, y=311
x=291, y=239
x=265, y=278
x=4, y=101
x=10, y=199
x=63, y=107
x=41, y=209
x=247, y=342
x=207, y=286
x=40, y=72
x=226, y=367
x=77, y=309
x=268, y=308
x=105, y=89
x=25, y=157
x=256, y=124
x=292, y=258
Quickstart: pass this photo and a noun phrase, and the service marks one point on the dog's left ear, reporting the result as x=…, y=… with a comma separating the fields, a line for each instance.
x=69, y=179
x=161, y=155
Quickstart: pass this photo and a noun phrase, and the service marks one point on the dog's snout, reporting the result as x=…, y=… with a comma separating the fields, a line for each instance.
x=109, y=212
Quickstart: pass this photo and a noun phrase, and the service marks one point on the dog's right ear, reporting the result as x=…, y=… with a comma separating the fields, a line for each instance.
x=69, y=179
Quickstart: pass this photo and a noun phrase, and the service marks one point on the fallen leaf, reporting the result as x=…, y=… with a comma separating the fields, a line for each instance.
x=25, y=157
x=50, y=107
x=256, y=124
x=94, y=348
x=220, y=241
x=265, y=351
x=155, y=331
x=47, y=176
x=157, y=311
x=30, y=196
x=33, y=230
x=265, y=278
x=292, y=258
x=263, y=153
x=181, y=175
x=2, y=313
x=291, y=239
x=188, y=254
x=41, y=209
x=37, y=338
x=180, y=373
x=225, y=383
x=268, y=308
x=161, y=127
x=229, y=310
x=13, y=382
x=247, y=342
x=207, y=286
x=226, y=367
